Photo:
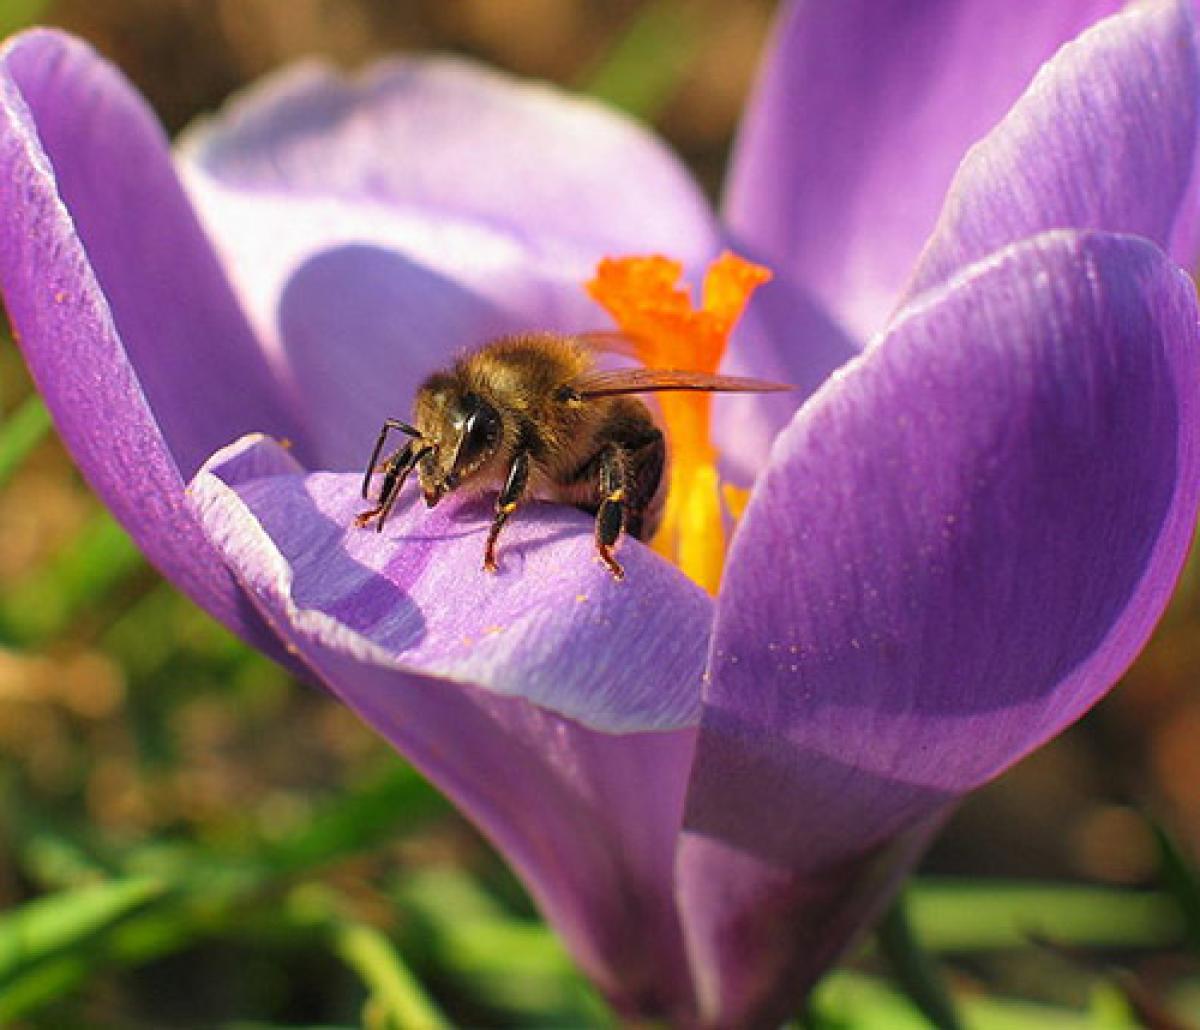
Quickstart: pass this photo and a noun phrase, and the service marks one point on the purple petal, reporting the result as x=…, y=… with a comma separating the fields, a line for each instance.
x=984, y=515
x=1105, y=138
x=378, y=225
x=446, y=135
x=361, y=327
x=761, y=934
x=119, y=305
x=314, y=272
x=784, y=337
x=554, y=705
x=863, y=112
x=553, y=626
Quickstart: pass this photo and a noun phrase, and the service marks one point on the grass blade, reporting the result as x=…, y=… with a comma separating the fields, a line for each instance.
x=914, y=969
x=16, y=14
x=645, y=68
x=963, y=916
x=397, y=1000
x=21, y=432
x=1182, y=879
x=51, y=925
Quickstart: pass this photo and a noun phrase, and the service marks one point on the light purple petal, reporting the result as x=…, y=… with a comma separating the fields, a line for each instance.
x=296, y=256
x=984, y=516
x=1105, y=138
x=375, y=226
x=859, y=120
x=270, y=239
x=556, y=706
x=784, y=337
x=119, y=305
x=445, y=135
x=552, y=626
x=361, y=326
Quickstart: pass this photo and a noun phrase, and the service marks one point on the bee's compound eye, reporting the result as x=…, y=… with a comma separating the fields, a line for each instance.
x=480, y=433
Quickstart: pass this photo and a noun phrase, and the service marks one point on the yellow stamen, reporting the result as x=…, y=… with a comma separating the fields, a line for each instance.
x=736, y=498
x=642, y=295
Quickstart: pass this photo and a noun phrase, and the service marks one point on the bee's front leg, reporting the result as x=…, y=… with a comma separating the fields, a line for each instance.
x=506, y=504
x=395, y=470
x=614, y=505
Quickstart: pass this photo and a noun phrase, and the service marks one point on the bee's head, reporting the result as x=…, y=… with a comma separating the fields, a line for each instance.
x=463, y=430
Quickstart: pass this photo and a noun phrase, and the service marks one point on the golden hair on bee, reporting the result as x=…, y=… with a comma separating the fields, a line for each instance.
x=532, y=416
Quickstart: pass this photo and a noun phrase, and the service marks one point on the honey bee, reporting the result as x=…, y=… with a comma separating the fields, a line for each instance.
x=532, y=416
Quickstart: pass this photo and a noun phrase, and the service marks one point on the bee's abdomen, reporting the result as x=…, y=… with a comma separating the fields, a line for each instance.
x=646, y=493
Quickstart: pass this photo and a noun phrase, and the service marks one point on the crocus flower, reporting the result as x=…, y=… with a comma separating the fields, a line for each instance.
x=962, y=525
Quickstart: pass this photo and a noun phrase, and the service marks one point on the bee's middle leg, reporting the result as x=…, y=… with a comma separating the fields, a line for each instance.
x=506, y=504
x=614, y=505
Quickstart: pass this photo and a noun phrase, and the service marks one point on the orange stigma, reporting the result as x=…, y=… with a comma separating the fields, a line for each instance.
x=644, y=297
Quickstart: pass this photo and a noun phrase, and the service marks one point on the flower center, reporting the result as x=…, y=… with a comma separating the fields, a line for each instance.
x=643, y=296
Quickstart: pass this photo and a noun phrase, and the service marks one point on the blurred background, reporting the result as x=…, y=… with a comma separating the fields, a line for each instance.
x=189, y=838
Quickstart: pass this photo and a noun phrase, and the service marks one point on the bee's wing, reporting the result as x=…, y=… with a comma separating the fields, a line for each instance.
x=609, y=383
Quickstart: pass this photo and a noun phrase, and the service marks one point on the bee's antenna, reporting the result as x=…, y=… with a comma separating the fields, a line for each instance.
x=391, y=423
